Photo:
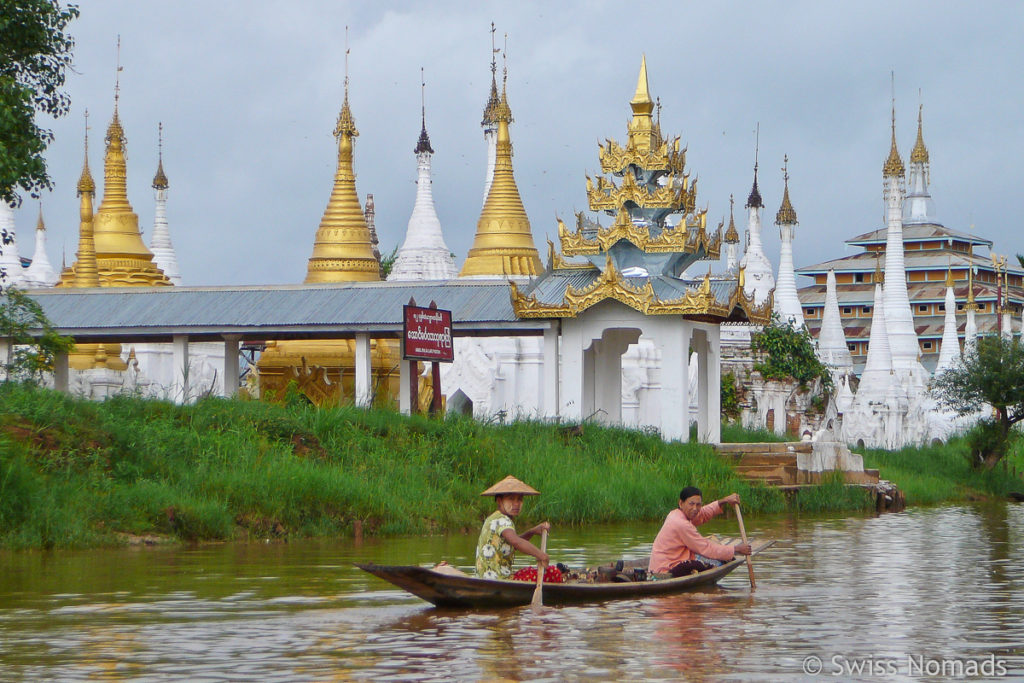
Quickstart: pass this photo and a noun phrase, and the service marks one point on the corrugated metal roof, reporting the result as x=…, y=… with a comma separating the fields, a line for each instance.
x=920, y=231
x=863, y=294
x=299, y=310
x=914, y=259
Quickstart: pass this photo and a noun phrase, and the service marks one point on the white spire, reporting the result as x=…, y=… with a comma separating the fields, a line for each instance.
x=759, y=280
x=40, y=273
x=160, y=245
x=950, y=351
x=970, y=332
x=898, y=318
x=832, y=348
x=877, y=375
x=424, y=255
x=10, y=262
x=787, y=303
x=918, y=207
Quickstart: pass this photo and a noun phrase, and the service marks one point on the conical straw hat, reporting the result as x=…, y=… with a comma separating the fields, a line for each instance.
x=510, y=485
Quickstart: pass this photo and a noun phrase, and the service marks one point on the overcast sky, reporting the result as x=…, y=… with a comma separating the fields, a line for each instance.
x=248, y=93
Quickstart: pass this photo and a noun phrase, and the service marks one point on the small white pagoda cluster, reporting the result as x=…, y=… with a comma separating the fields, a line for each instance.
x=38, y=273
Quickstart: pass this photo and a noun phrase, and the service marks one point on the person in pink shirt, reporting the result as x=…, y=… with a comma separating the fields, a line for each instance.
x=679, y=549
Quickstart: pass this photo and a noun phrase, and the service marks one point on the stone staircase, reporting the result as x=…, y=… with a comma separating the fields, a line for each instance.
x=778, y=464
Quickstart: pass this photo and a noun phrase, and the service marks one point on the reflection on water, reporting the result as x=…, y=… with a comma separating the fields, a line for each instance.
x=942, y=584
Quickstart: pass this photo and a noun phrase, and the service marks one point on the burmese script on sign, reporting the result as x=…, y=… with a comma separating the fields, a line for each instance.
x=427, y=334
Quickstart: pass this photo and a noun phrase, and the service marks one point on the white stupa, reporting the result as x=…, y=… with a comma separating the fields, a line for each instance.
x=787, y=303
x=40, y=273
x=160, y=245
x=424, y=255
x=759, y=279
x=949, y=353
x=898, y=318
x=10, y=261
x=832, y=348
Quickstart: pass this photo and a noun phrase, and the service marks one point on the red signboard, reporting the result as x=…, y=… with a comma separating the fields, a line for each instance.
x=427, y=334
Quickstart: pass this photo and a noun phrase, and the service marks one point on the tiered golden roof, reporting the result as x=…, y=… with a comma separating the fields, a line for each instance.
x=503, y=246
x=343, y=251
x=919, y=155
x=786, y=214
x=639, y=259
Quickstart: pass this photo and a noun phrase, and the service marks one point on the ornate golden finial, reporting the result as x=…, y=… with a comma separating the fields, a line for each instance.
x=160, y=179
x=489, y=120
x=878, y=268
x=117, y=75
x=641, y=102
x=949, y=272
x=346, y=126
x=732, y=236
x=894, y=164
x=40, y=225
x=786, y=214
x=754, y=199
x=86, y=185
x=919, y=155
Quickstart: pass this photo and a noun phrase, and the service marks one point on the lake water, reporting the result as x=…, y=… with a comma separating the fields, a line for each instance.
x=928, y=593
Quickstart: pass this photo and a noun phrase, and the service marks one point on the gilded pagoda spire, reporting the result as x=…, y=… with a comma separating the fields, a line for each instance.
x=894, y=164
x=732, y=236
x=85, y=272
x=503, y=246
x=489, y=119
x=122, y=259
x=919, y=155
x=786, y=214
x=342, y=251
x=642, y=134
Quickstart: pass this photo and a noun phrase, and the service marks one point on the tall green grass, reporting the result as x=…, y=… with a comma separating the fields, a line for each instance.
x=76, y=473
x=939, y=473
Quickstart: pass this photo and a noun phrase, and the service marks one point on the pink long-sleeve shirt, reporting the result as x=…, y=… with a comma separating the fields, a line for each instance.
x=679, y=540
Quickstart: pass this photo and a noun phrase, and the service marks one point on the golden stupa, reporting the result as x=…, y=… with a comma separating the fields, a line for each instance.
x=324, y=370
x=122, y=259
x=503, y=246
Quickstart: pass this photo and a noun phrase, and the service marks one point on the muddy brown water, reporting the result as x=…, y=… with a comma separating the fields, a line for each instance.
x=928, y=593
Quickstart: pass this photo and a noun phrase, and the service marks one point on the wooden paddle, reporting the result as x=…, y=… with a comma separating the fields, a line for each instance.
x=538, y=599
x=743, y=535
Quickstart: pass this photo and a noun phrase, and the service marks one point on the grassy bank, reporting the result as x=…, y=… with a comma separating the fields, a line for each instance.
x=76, y=473
x=942, y=473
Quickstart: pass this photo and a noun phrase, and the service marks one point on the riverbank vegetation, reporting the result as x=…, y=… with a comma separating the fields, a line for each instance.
x=77, y=473
x=942, y=473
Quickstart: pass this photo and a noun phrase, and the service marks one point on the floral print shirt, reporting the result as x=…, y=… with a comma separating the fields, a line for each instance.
x=493, y=554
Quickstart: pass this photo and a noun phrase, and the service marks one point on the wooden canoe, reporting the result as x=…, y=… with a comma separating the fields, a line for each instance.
x=447, y=590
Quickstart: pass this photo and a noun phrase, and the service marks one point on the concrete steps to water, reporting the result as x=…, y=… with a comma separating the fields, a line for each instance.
x=777, y=464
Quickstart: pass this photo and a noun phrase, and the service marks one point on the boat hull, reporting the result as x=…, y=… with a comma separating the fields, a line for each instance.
x=447, y=590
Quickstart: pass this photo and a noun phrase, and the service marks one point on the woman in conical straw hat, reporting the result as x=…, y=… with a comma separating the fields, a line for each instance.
x=499, y=541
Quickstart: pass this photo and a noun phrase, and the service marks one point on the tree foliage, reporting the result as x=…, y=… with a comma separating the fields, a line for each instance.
x=788, y=354
x=35, y=51
x=993, y=375
x=30, y=340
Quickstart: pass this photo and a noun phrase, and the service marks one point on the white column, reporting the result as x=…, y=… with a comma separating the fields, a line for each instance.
x=60, y=372
x=179, y=355
x=674, y=340
x=710, y=382
x=549, y=382
x=700, y=346
x=405, y=380
x=363, y=377
x=230, y=382
x=570, y=398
